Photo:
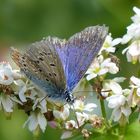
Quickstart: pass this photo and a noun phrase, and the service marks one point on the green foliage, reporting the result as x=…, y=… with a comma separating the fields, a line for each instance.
x=26, y=21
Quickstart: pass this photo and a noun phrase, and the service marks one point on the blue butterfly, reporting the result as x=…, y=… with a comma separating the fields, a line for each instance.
x=56, y=66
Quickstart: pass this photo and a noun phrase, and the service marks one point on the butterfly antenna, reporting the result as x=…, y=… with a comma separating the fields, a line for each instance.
x=82, y=91
x=43, y=99
x=50, y=102
x=92, y=91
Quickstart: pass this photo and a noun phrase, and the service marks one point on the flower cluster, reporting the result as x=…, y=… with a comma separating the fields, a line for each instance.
x=133, y=38
x=82, y=115
x=16, y=90
x=110, y=89
x=100, y=67
x=117, y=98
x=122, y=101
x=7, y=78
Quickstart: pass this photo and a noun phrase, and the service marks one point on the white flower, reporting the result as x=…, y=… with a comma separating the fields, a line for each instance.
x=101, y=67
x=122, y=110
x=36, y=120
x=133, y=52
x=81, y=118
x=133, y=30
x=133, y=33
x=119, y=104
x=6, y=103
x=81, y=106
x=116, y=101
x=136, y=17
x=117, y=98
x=70, y=124
x=6, y=74
x=62, y=114
x=112, y=86
x=110, y=66
x=109, y=44
x=135, y=84
x=134, y=97
x=23, y=88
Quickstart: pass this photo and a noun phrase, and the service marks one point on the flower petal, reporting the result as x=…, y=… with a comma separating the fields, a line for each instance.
x=32, y=122
x=90, y=107
x=7, y=103
x=135, y=80
x=91, y=76
x=66, y=135
x=126, y=110
x=116, y=41
x=116, y=114
x=22, y=94
x=115, y=87
x=42, y=121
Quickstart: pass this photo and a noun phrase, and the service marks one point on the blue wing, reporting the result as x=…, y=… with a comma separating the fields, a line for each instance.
x=79, y=51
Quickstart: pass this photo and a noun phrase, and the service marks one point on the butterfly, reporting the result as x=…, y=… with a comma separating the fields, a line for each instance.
x=56, y=65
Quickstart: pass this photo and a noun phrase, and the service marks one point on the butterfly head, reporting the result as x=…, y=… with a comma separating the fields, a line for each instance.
x=69, y=97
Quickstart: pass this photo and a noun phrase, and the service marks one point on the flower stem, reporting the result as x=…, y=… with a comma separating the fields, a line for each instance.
x=122, y=124
x=102, y=105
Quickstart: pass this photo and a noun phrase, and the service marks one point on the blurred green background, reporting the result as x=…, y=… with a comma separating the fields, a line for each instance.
x=25, y=21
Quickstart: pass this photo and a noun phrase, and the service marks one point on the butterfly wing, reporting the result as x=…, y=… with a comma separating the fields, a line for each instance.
x=82, y=48
x=41, y=64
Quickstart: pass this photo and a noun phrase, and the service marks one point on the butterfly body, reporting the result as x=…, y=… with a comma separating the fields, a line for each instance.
x=56, y=66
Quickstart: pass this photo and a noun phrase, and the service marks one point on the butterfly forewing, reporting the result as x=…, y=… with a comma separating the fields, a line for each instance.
x=79, y=52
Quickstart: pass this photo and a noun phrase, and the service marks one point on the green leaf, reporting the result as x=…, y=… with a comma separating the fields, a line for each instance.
x=133, y=131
